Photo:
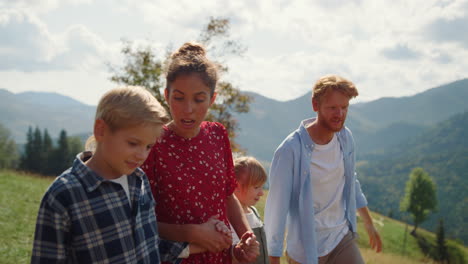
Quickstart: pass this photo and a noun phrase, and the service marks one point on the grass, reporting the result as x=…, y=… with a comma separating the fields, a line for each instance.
x=20, y=195
x=392, y=233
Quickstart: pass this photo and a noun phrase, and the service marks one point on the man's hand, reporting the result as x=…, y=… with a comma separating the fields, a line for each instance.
x=374, y=238
x=248, y=249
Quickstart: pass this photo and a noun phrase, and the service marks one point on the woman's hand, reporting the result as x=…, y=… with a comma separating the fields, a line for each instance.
x=207, y=235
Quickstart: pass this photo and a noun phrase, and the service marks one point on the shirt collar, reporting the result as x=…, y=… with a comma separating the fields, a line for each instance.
x=305, y=137
x=91, y=180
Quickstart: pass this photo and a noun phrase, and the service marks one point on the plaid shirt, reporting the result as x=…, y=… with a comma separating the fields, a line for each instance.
x=84, y=218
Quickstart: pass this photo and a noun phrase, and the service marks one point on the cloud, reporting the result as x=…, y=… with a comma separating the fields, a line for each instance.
x=400, y=52
x=28, y=45
x=39, y=6
x=388, y=48
x=449, y=30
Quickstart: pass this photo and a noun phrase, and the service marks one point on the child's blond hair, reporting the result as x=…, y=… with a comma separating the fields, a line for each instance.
x=249, y=172
x=128, y=106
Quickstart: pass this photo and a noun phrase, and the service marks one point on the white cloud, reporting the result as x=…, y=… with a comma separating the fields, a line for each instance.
x=28, y=45
x=39, y=6
x=387, y=48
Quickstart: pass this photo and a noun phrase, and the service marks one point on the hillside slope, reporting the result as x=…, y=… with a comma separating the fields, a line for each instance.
x=19, y=211
x=443, y=152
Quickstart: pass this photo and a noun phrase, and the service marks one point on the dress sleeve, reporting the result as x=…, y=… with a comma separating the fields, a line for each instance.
x=231, y=182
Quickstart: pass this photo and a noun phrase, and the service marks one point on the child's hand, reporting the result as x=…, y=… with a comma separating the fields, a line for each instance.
x=222, y=228
x=207, y=236
x=248, y=248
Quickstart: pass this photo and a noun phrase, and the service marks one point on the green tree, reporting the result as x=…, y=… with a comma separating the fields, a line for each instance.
x=26, y=158
x=420, y=196
x=47, y=152
x=62, y=157
x=143, y=67
x=75, y=146
x=8, y=150
x=442, y=251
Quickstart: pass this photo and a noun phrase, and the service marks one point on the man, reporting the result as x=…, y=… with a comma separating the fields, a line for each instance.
x=313, y=185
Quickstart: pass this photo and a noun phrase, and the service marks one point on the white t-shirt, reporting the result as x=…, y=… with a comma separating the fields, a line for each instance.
x=327, y=172
x=123, y=181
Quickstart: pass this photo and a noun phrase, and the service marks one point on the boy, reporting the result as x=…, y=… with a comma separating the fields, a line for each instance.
x=101, y=210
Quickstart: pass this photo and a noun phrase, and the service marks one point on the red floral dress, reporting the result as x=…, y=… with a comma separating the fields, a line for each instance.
x=191, y=180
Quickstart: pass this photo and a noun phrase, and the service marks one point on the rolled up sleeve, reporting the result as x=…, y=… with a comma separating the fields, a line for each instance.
x=361, y=200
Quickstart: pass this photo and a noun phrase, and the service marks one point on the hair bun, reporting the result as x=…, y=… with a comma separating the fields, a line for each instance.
x=191, y=49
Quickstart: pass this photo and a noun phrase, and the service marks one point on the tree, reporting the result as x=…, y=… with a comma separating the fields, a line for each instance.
x=62, y=158
x=47, y=150
x=420, y=197
x=26, y=158
x=8, y=150
x=143, y=67
x=75, y=146
x=441, y=252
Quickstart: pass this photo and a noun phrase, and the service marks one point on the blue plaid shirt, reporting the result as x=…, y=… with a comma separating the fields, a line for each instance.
x=84, y=218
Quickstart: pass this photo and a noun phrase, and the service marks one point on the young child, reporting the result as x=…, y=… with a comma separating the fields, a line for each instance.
x=191, y=168
x=251, y=176
x=101, y=210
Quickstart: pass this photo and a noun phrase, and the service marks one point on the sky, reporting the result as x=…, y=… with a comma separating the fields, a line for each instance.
x=387, y=48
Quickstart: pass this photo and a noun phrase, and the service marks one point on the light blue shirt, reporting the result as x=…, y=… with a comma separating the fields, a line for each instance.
x=290, y=202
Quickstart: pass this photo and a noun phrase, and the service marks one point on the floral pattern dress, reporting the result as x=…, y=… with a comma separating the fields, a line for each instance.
x=191, y=180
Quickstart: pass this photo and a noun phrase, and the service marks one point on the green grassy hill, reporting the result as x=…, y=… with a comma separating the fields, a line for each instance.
x=392, y=233
x=20, y=195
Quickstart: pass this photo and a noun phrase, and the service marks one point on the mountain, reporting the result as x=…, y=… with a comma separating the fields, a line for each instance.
x=46, y=110
x=442, y=151
x=375, y=125
x=392, y=136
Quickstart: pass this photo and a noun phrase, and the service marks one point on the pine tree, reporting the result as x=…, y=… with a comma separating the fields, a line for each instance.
x=47, y=152
x=61, y=160
x=442, y=252
x=37, y=153
x=26, y=158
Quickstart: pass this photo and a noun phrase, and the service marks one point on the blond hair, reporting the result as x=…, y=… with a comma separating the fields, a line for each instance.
x=249, y=172
x=333, y=82
x=128, y=106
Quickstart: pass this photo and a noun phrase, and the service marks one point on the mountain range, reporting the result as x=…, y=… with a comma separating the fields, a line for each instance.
x=375, y=125
x=393, y=135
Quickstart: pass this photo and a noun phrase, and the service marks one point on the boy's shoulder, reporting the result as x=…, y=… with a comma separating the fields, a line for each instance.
x=65, y=183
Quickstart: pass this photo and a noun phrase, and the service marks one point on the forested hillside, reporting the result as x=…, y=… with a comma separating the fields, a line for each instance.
x=442, y=151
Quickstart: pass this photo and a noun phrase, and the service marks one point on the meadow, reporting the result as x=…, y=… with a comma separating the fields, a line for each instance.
x=20, y=195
